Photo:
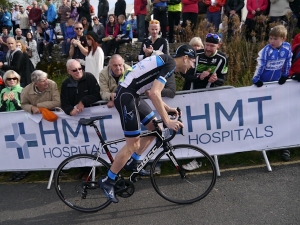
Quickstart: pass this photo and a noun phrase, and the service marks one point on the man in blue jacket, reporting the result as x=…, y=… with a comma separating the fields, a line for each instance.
x=125, y=34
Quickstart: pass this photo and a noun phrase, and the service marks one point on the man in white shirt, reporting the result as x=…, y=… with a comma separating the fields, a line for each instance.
x=14, y=18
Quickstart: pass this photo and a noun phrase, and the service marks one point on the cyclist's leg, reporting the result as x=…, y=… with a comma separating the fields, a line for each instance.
x=146, y=117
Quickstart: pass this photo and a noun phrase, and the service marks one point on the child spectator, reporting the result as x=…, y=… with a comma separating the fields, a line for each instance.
x=274, y=63
x=274, y=60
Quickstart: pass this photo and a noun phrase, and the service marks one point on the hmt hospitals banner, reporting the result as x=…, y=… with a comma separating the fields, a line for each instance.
x=221, y=122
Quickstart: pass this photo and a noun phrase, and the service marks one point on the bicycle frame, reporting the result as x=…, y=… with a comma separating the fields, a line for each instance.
x=160, y=141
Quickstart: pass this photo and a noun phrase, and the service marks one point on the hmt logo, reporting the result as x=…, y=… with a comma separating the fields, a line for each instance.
x=20, y=140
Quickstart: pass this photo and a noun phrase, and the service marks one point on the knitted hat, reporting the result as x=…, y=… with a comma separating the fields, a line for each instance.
x=93, y=35
x=183, y=50
x=48, y=115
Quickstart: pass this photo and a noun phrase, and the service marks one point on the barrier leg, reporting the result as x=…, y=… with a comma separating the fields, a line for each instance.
x=267, y=160
x=50, y=179
x=217, y=165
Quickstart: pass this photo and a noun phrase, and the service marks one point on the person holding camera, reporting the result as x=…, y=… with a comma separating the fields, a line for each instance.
x=211, y=66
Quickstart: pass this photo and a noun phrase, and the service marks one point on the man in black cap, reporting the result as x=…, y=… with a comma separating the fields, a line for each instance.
x=134, y=110
x=211, y=66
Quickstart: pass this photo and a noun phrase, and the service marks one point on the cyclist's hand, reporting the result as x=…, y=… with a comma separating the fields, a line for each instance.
x=110, y=104
x=174, y=125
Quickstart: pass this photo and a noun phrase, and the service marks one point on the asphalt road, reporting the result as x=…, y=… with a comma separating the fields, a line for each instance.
x=251, y=196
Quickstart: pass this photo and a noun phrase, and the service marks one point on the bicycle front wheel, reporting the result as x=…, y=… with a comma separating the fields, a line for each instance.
x=76, y=182
x=190, y=181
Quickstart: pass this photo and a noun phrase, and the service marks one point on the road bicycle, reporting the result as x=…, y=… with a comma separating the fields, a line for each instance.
x=174, y=184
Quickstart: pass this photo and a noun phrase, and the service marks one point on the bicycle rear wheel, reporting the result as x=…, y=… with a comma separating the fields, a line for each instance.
x=190, y=186
x=76, y=182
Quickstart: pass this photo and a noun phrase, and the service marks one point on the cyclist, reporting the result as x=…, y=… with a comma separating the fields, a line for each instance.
x=149, y=77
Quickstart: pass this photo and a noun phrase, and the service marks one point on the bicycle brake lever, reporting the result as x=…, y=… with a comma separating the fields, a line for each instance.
x=181, y=129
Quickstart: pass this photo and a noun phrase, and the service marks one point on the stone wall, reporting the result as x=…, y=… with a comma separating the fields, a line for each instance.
x=129, y=52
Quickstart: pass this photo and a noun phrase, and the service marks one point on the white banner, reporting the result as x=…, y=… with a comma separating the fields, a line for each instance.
x=221, y=122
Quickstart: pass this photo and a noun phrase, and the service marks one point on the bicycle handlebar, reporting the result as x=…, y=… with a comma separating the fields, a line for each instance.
x=174, y=132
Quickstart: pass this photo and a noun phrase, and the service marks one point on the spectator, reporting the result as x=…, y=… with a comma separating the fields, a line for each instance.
x=255, y=8
x=274, y=63
x=278, y=10
x=133, y=23
x=295, y=6
x=86, y=25
x=24, y=21
x=79, y=90
x=94, y=61
x=148, y=16
x=196, y=43
x=31, y=46
x=44, y=12
x=211, y=65
x=120, y=8
x=10, y=101
x=64, y=12
x=14, y=18
x=109, y=78
x=111, y=32
x=92, y=9
x=40, y=93
x=79, y=46
x=69, y=34
x=99, y=29
x=202, y=9
x=26, y=66
x=39, y=34
x=233, y=7
x=190, y=12
x=6, y=20
x=74, y=12
x=274, y=60
x=160, y=10
x=174, y=14
x=19, y=35
x=213, y=14
x=154, y=42
x=103, y=8
x=34, y=16
x=3, y=41
x=14, y=57
x=125, y=35
x=211, y=69
x=84, y=10
x=51, y=14
x=1, y=15
x=10, y=95
x=49, y=40
x=295, y=67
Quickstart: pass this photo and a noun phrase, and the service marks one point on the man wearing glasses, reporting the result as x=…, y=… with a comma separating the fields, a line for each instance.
x=34, y=16
x=79, y=90
x=79, y=46
x=149, y=77
x=211, y=66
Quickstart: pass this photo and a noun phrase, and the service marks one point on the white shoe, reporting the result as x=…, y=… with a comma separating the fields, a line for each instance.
x=192, y=165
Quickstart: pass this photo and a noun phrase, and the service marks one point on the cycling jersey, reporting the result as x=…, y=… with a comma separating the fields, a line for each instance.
x=131, y=108
x=146, y=71
x=273, y=63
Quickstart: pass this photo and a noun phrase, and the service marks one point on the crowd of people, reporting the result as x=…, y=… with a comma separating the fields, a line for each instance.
x=88, y=39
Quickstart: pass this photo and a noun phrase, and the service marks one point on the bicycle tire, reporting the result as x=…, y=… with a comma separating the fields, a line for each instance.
x=81, y=193
x=196, y=184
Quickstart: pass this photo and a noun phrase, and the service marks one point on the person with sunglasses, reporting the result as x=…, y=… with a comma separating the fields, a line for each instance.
x=79, y=90
x=79, y=46
x=148, y=77
x=211, y=66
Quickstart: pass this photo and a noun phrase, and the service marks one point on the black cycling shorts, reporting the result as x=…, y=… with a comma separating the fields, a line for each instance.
x=133, y=111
